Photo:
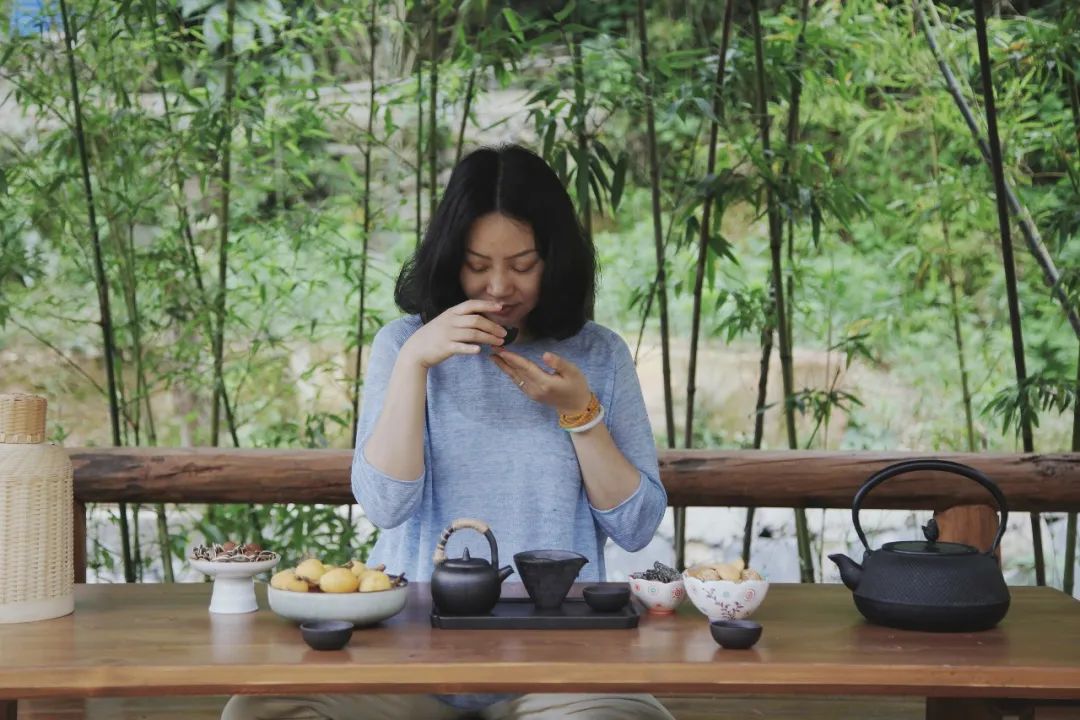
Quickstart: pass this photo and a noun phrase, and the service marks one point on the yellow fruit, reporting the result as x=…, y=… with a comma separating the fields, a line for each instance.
x=298, y=585
x=310, y=570
x=287, y=580
x=281, y=579
x=358, y=568
x=729, y=571
x=374, y=581
x=339, y=580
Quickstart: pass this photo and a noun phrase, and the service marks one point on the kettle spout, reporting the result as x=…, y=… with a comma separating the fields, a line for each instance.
x=850, y=571
x=505, y=572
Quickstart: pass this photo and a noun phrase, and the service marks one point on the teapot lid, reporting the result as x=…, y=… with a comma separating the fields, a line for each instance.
x=929, y=547
x=466, y=562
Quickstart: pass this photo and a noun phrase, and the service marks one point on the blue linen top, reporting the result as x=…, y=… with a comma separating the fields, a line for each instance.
x=493, y=453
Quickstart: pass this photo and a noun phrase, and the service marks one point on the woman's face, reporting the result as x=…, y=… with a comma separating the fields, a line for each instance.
x=502, y=264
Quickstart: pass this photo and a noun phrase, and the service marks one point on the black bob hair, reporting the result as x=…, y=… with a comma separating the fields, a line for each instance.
x=517, y=183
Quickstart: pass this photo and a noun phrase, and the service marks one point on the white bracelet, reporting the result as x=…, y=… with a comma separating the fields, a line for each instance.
x=589, y=425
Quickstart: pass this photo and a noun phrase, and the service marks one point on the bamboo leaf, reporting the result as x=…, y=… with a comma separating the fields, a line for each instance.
x=514, y=23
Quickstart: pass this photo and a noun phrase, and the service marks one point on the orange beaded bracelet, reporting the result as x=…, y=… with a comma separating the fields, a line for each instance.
x=573, y=420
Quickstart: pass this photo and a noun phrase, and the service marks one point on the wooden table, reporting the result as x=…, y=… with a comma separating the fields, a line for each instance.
x=147, y=640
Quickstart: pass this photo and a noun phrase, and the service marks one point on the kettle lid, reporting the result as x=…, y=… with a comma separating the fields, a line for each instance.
x=929, y=547
x=466, y=562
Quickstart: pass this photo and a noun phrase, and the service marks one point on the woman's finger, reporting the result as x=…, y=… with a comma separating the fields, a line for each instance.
x=524, y=367
x=475, y=336
x=461, y=348
x=479, y=322
x=559, y=364
x=501, y=364
x=473, y=307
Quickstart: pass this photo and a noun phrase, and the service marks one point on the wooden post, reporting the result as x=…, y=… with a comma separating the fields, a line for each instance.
x=969, y=524
x=78, y=540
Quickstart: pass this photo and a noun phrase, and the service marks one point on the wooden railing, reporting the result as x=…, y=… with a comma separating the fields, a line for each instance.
x=704, y=478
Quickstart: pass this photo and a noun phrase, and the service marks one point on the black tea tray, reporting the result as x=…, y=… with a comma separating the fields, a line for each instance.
x=521, y=614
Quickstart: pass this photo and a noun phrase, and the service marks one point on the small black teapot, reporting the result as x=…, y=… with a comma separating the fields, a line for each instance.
x=467, y=585
x=928, y=585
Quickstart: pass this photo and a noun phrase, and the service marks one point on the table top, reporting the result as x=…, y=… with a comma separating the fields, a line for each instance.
x=161, y=639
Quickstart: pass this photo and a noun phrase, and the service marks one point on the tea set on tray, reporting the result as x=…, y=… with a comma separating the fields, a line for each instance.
x=910, y=585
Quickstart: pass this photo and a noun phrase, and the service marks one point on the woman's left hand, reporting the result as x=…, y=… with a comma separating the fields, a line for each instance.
x=565, y=389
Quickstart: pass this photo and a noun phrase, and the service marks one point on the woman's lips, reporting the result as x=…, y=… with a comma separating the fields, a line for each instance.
x=507, y=311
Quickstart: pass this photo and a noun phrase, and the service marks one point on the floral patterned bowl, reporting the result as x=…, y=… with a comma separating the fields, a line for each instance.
x=724, y=599
x=660, y=598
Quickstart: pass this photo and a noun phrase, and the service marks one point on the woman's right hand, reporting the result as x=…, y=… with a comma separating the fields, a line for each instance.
x=460, y=330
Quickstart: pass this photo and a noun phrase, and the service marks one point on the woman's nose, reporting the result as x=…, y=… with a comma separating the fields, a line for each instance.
x=499, y=284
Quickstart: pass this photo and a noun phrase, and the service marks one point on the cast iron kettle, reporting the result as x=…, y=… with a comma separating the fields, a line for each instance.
x=928, y=585
x=467, y=585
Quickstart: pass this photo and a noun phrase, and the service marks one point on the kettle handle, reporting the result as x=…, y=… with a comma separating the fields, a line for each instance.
x=946, y=466
x=461, y=523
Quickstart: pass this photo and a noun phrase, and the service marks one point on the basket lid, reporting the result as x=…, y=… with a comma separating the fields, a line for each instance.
x=22, y=418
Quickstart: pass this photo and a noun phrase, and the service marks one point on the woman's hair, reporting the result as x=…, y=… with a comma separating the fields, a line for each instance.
x=517, y=183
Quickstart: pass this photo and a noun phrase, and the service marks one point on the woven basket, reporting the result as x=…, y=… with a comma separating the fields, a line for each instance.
x=36, y=570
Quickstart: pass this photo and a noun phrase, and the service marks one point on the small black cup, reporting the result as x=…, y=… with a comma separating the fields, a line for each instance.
x=606, y=598
x=735, y=634
x=327, y=634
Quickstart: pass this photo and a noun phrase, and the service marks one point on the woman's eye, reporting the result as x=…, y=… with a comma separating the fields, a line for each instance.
x=473, y=268
x=525, y=269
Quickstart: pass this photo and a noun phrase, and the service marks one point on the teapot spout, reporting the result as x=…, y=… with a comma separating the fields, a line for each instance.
x=505, y=572
x=850, y=571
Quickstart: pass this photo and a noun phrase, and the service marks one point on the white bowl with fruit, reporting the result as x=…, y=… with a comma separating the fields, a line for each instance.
x=355, y=593
x=725, y=591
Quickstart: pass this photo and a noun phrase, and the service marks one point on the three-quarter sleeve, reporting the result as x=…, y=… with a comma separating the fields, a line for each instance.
x=632, y=523
x=387, y=501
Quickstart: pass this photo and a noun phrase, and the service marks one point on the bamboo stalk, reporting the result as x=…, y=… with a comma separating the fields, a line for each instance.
x=225, y=144
x=954, y=296
x=706, y=221
x=368, y=141
x=998, y=170
x=703, y=252
x=136, y=544
x=419, y=126
x=143, y=391
x=759, y=422
x=654, y=183
x=190, y=256
x=795, y=76
x=806, y=563
x=433, y=126
x=101, y=281
x=691, y=156
x=469, y=89
x=580, y=131
x=1023, y=218
x=1070, y=523
x=1068, y=580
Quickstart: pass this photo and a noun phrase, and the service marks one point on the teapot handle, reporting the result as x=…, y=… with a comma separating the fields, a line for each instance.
x=461, y=523
x=946, y=466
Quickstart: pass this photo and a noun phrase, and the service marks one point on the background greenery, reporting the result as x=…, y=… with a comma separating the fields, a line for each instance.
x=258, y=170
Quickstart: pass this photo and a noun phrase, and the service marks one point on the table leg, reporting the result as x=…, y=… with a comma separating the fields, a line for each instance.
x=962, y=709
x=9, y=710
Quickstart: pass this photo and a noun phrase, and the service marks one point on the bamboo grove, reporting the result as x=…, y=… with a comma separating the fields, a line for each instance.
x=203, y=205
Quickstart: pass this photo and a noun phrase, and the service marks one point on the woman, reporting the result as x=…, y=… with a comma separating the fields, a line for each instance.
x=549, y=443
